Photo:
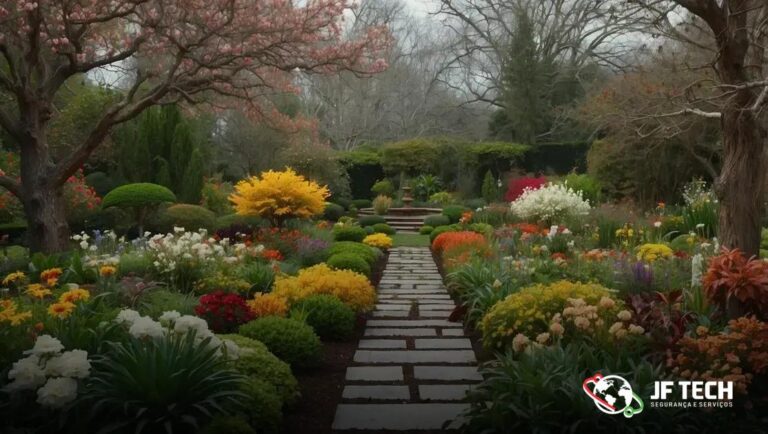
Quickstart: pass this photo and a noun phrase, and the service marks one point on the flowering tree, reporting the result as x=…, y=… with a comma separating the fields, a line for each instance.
x=166, y=51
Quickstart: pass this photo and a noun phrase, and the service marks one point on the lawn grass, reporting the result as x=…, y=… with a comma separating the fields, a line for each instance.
x=410, y=240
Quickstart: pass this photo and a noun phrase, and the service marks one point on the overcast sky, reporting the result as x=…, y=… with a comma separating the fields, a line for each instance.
x=422, y=6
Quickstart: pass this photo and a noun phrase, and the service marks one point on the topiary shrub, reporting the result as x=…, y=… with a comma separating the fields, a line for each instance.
x=441, y=230
x=437, y=220
x=362, y=203
x=382, y=204
x=454, y=212
x=292, y=341
x=370, y=220
x=255, y=360
x=262, y=406
x=333, y=212
x=426, y=230
x=383, y=188
x=141, y=197
x=189, y=217
x=353, y=233
x=358, y=249
x=349, y=261
x=328, y=316
x=383, y=228
x=442, y=198
x=369, y=230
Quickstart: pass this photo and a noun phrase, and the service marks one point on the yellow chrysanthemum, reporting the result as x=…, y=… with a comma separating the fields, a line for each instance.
x=74, y=295
x=352, y=288
x=268, y=305
x=278, y=196
x=652, y=252
x=381, y=241
x=36, y=290
x=61, y=309
x=14, y=277
x=9, y=313
x=107, y=270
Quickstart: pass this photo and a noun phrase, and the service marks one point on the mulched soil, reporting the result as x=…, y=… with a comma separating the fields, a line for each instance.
x=321, y=388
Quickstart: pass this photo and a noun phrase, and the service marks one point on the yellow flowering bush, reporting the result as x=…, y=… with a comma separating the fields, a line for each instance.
x=352, y=288
x=15, y=278
x=9, y=312
x=382, y=241
x=278, y=196
x=38, y=291
x=531, y=310
x=651, y=252
x=268, y=304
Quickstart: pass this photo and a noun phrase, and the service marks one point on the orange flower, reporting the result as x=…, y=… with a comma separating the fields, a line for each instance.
x=107, y=270
x=74, y=295
x=272, y=255
x=51, y=276
x=61, y=310
x=36, y=290
x=268, y=304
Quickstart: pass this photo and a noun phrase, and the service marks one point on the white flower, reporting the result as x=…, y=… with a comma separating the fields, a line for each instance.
x=187, y=322
x=624, y=315
x=700, y=226
x=127, y=316
x=26, y=374
x=169, y=317
x=551, y=202
x=231, y=348
x=69, y=364
x=519, y=342
x=178, y=229
x=146, y=327
x=57, y=392
x=45, y=344
x=657, y=224
x=83, y=244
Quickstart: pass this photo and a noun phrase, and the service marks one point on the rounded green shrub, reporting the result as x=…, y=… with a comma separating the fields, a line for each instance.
x=454, y=212
x=426, y=230
x=343, y=201
x=370, y=254
x=255, y=360
x=370, y=220
x=349, y=261
x=437, y=220
x=328, y=316
x=138, y=195
x=481, y=228
x=383, y=228
x=362, y=203
x=292, y=341
x=474, y=203
x=441, y=230
x=353, y=233
x=333, y=212
x=384, y=188
x=262, y=407
x=189, y=217
x=369, y=230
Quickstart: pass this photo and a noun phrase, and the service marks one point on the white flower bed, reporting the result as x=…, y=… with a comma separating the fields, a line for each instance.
x=550, y=204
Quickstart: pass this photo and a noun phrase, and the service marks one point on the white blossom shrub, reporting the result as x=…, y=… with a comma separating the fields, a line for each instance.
x=550, y=204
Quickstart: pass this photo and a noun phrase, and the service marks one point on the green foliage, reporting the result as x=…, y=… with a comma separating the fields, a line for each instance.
x=381, y=204
x=425, y=186
x=259, y=275
x=137, y=196
x=215, y=197
x=368, y=253
x=441, y=230
x=589, y=186
x=454, y=212
x=364, y=169
x=384, y=188
x=329, y=317
x=101, y=182
x=362, y=203
x=349, y=261
x=292, y=341
x=134, y=263
x=189, y=217
x=170, y=384
x=370, y=220
x=262, y=406
x=437, y=220
x=319, y=164
x=228, y=425
x=442, y=198
x=426, y=230
x=383, y=228
x=490, y=189
x=241, y=220
x=256, y=361
x=333, y=212
x=351, y=233
x=157, y=301
x=411, y=156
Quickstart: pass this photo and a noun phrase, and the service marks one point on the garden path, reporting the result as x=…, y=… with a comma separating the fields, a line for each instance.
x=412, y=368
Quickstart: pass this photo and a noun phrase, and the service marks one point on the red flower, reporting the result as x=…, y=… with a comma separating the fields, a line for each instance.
x=272, y=255
x=224, y=312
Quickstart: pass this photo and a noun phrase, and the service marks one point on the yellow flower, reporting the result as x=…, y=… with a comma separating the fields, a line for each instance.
x=51, y=276
x=268, y=304
x=10, y=314
x=381, y=241
x=37, y=290
x=74, y=295
x=352, y=288
x=14, y=277
x=61, y=309
x=652, y=252
x=107, y=270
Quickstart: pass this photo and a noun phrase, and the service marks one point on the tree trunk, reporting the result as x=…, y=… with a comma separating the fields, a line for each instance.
x=44, y=204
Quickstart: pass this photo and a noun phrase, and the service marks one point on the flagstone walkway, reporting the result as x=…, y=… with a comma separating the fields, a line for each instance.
x=412, y=368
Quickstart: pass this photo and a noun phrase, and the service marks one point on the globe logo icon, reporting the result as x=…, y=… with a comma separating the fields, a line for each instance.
x=613, y=395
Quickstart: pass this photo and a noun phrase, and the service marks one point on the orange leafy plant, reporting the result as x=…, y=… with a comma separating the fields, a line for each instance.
x=730, y=274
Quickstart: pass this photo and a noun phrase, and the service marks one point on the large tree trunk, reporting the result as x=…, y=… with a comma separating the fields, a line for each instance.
x=44, y=204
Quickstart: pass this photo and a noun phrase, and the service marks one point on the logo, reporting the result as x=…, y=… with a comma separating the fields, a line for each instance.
x=613, y=395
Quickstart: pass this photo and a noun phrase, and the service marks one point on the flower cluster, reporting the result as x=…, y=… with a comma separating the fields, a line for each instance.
x=736, y=354
x=16, y=279
x=224, y=312
x=382, y=241
x=731, y=274
x=9, y=312
x=352, y=288
x=550, y=204
x=53, y=373
x=66, y=304
x=451, y=240
x=652, y=252
x=268, y=305
x=51, y=276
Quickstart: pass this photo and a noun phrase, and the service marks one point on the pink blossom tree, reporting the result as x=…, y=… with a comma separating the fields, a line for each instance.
x=217, y=52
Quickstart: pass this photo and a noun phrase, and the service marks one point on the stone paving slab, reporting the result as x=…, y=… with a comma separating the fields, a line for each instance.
x=375, y=373
x=396, y=344
x=376, y=392
x=443, y=392
x=401, y=332
x=423, y=344
x=391, y=314
x=447, y=373
x=415, y=356
x=399, y=417
x=453, y=332
x=411, y=323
